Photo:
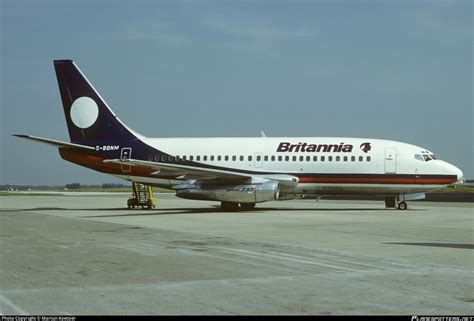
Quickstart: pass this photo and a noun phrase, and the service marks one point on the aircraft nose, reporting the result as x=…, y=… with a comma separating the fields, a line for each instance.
x=456, y=171
x=459, y=173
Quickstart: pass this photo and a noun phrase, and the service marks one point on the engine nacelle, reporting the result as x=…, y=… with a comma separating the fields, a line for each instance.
x=249, y=193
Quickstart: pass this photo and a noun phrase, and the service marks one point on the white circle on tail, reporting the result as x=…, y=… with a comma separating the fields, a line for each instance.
x=84, y=112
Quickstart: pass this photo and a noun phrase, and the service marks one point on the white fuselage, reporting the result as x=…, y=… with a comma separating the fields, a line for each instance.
x=387, y=168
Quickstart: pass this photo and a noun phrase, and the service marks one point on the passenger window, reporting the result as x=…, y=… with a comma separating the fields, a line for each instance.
x=204, y=158
x=338, y=158
x=368, y=158
x=219, y=158
x=315, y=158
x=241, y=158
x=308, y=158
x=226, y=158
x=294, y=158
x=280, y=158
x=250, y=158
x=361, y=158
x=234, y=158
x=323, y=158
x=198, y=158
x=345, y=158
x=301, y=158
x=329, y=158
x=212, y=158
x=353, y=158
x=287, y=158
x=191, y=158
x=273, y=158
x=265, y=158
x=259, y=158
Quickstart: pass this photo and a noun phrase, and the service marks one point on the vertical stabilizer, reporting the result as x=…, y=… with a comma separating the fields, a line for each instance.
x=88, y=117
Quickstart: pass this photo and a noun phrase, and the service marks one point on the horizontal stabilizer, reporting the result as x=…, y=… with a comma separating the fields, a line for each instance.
x=53, y=142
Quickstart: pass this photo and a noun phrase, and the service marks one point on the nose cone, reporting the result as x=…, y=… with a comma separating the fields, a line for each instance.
x=453, y=170
x=450, y=169
x=459, y=173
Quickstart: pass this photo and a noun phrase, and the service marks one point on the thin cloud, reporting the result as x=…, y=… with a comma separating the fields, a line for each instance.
x=448, y=18
x=256, y=31
x=151, y=31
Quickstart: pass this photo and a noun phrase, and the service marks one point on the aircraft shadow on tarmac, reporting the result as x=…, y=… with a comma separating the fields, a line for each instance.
x=448, y=245
x=206, y=210
x=218, y=210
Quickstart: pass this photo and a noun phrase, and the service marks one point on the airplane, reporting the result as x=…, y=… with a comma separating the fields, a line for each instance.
x=241, y=172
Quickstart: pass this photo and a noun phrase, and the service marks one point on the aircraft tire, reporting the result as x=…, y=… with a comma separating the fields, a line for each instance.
x=229, y=206
x=247, y=206
x=402, y=206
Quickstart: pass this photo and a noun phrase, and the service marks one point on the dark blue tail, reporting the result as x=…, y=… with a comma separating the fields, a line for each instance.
x=89, y=118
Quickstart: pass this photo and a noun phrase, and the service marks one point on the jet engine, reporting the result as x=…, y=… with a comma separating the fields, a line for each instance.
x=249, y=193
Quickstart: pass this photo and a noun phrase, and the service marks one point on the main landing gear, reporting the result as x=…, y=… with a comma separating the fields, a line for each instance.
x=232, y=206
x=391, y=201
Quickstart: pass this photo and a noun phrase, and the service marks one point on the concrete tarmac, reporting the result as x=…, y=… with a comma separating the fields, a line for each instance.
x=87, y=254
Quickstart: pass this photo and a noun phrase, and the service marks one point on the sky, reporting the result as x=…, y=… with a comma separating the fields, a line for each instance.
x=399, y=70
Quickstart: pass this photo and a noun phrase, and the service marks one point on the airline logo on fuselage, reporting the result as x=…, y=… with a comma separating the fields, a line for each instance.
x=107, y=147
x=314, y=148
x=365, y=147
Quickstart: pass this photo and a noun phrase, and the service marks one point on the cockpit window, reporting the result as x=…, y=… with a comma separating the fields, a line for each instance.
x=425, y=156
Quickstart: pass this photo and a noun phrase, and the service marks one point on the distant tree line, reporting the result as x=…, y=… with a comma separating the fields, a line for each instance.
x=73, y=186
x=114, y=185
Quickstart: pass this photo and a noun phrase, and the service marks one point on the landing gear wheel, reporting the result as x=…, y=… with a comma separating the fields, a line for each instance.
x=402, y=206
x=247, y=206
x=229, y=206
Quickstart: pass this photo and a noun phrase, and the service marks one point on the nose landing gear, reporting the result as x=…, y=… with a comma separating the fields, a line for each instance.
x=392, y=202
x=402, y=205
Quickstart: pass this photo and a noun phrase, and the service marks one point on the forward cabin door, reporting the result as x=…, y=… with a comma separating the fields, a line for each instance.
x=390, y=160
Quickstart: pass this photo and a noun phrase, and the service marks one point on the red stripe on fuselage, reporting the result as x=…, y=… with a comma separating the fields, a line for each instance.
x=377, y=180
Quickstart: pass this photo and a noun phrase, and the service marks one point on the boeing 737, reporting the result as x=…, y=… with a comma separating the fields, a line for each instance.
x=240, y=172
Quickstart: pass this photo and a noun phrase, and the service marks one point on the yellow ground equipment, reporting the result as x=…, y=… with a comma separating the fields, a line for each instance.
x=142, y=196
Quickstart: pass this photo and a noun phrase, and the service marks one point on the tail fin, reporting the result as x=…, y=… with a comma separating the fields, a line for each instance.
x=88, y=117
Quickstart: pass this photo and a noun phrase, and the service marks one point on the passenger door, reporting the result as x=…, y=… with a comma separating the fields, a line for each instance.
x=390, y=160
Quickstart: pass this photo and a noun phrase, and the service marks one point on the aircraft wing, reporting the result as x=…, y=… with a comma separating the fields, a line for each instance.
x=187, y=172
x=199, y=173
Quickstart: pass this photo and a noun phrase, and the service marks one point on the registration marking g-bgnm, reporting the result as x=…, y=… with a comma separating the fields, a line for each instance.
x=107, y=147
